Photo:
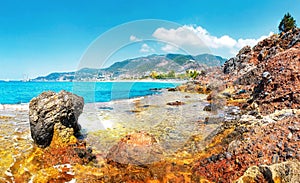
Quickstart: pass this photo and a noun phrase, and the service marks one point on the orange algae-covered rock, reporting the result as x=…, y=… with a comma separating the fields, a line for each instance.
x=138, y=148
x=40, y=162
x=62, y=136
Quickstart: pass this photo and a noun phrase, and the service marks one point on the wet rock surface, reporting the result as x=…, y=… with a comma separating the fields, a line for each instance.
x=137, y=148
x=50, y=108
x=176, y=103
x=52, y=115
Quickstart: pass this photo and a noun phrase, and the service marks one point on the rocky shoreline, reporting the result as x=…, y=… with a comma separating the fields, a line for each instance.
x=239, y=123
x=263, y=144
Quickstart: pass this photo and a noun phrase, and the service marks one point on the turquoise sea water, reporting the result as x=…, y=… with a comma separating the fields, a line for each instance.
x=23, y=92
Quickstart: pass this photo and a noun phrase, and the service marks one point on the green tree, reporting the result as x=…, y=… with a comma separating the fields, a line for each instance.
x=287, y=23
x=192, y=74
x=154, y=75
x=171, y=74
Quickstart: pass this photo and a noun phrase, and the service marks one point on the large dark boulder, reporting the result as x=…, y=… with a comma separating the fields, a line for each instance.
x=50, y=108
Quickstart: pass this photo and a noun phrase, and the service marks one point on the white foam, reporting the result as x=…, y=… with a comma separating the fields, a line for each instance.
x=15, y=107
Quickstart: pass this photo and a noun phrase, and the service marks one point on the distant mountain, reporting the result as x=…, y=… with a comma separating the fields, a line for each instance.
x=140, y=67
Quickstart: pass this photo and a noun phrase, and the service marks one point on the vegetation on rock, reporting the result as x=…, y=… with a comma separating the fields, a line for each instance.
x=287, y=23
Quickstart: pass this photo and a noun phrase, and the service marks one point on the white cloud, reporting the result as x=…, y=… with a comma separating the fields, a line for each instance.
x=134, y=38
x=169, y=48
x=146, y=49
x=196, y=39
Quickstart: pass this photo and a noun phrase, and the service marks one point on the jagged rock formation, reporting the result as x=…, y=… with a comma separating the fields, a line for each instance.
x=50, y=108
x=265, y=82
x=249, y=63
x=253, y=142
x=278, y=56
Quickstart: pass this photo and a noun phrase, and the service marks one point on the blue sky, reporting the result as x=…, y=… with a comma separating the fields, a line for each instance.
x=39, y=37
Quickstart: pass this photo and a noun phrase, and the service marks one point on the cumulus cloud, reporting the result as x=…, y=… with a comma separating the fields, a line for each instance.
x=193, y=39
x=134, y=38
x=169, y=48
x=146, y=49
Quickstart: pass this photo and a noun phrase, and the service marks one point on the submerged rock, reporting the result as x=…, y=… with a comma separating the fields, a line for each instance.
x=136, y=148
x=50, y=108
x=176, y=103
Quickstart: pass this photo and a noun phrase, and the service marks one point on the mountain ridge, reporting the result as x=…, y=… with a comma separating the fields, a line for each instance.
x=139, y=67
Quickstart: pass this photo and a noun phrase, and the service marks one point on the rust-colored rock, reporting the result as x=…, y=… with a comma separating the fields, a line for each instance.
x=176, y=103
x=272, y=143
x=138, y=148
x=277, y=55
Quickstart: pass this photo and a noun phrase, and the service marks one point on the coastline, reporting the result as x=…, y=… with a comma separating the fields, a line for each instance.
x=107, y=81
x=142, y=81
x=91, y=91
x=151, y=113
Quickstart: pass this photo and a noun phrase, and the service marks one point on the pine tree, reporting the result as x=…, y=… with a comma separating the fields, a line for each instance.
x=287, y=23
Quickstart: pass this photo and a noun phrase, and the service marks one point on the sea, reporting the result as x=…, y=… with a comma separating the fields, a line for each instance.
x=17, y=92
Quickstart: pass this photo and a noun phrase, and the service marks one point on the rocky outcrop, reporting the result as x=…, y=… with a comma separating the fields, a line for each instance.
x=247, y=66
x=253, y=142
x=277, y=56
x=282, y=172
x=50, y=108
x=138, y=148
x=239, y=62
x=53, y=122
x=280, y=88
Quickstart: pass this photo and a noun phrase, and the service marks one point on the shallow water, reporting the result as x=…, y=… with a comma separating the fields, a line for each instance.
x=15, y=139
x=104, y=124
x=172, y=126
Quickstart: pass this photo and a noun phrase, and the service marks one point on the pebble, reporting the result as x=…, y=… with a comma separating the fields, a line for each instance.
x=287, y=149
x=220, y=156
x=279, y=145
x=228, y=155
x=285, y=145
x=266, y=75
x=228, y=95
x=290, y=135
x=8, y=173
x=214, y=158
x=289, y=154
x=275, y=158
x=260, y=154
x=293, y=129
x=242, y=91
